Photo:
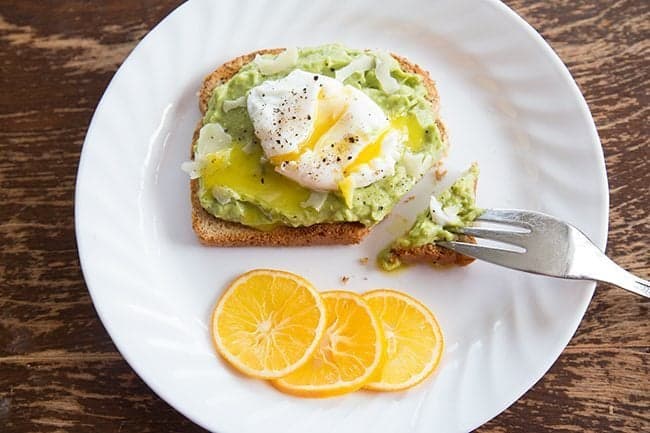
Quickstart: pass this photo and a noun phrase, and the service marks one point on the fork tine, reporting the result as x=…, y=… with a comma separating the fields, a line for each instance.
x=507, y=258
x=505, y=216
x=516, y=238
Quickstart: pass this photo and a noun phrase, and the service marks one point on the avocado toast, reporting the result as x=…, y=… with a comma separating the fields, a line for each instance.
x=218, y=225
x=452, y=208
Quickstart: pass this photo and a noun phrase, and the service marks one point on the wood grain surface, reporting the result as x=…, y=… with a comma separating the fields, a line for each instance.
x=59, y=370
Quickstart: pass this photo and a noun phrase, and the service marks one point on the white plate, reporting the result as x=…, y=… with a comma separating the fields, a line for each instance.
x=508, y=102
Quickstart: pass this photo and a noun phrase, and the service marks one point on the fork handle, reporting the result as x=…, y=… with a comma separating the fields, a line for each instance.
x=589, y=263
x=630, y=282
x=611, y=273
x=642, y=287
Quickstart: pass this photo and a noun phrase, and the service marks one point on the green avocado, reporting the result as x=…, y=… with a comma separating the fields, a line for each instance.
x=459, y=200
x=243, y=187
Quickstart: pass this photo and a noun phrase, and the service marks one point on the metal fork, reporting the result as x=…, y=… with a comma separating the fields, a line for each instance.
x=551, y=247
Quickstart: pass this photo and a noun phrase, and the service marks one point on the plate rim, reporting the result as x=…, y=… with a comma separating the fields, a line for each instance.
x=567, y=335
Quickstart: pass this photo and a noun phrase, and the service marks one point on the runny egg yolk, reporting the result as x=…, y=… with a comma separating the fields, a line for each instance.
x=367, y=154
x=328, y=111
x=413, y=134
x=243, y=173
x=411, y=129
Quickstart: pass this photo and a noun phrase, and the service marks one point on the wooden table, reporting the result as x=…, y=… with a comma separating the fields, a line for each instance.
x=59, y=370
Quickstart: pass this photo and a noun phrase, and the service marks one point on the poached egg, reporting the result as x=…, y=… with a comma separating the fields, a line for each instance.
x=323, y=134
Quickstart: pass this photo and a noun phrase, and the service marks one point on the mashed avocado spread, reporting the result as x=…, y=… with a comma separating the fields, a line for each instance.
x=241, y=185
x=453, y=208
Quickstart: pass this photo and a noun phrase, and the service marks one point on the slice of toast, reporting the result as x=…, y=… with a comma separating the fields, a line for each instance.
x=217, y=232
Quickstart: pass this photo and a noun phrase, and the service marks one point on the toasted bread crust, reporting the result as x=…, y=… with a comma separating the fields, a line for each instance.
x=217, y=232
x=433, y=254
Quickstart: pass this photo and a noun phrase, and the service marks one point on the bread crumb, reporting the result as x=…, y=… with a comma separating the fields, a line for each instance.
x=440, y=172
x=409, y=198
x=345, y=279
x=363, y=260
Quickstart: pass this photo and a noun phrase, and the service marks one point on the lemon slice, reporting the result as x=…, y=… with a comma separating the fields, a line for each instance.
x=268, y=323
x=414, y=341
x=349, y=353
